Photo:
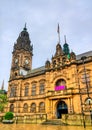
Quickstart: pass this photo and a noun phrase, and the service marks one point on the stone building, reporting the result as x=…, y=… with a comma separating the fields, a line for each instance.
x=63, y=85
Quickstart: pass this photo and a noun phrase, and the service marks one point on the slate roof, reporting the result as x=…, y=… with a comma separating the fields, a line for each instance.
x=36, y=71
x=87, y=54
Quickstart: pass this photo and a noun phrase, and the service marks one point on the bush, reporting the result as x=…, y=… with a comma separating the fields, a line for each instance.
x=9, y=116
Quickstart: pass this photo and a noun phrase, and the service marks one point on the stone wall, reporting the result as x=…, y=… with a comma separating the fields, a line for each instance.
x=76, y=119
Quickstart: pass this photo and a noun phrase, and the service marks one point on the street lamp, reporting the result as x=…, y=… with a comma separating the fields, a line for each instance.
x=86, y=81
x=90, y=102
x=83, y=60
x=81, y=105
x=91, y=116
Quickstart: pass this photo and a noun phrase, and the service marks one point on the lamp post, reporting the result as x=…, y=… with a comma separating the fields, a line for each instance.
x=81, y=105
x=86, y=81
x=89, y=102
x=91, y=116
x=83, y=60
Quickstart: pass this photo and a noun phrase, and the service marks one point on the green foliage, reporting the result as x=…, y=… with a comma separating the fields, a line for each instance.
x=3, y=101
x=3, y=98
x=9, y=116
x=1, y=107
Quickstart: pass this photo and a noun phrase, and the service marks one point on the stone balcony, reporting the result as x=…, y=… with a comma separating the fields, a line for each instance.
x=62, y=93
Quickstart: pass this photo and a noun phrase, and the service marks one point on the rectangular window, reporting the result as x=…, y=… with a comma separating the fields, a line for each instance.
x=41, y=91
x=33, y=90
x=26, y=90
x=13, y=92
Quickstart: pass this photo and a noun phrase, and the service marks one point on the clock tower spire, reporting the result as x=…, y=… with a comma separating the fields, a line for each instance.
x=21, y=55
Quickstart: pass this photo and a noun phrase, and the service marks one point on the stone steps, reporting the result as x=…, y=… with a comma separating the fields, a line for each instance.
x=53, y=122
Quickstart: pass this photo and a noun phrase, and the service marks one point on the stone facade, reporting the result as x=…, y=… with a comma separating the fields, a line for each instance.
x=62, y=86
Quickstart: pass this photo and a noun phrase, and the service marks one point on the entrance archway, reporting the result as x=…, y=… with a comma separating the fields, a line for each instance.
x=61, y=109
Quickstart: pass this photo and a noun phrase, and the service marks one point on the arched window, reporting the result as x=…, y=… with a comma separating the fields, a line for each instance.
x=25, y=108
x=33, y=107
x=12, y=108
x=41, y=90
x=26, y=90
x=41, y=107
x=60, y=82
x=33, y=90
x=60, y=85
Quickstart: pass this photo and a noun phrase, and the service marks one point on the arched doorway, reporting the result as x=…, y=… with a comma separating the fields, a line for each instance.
x=61, y=109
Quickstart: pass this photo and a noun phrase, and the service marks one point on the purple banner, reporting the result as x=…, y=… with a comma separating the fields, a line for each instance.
x=57, y=88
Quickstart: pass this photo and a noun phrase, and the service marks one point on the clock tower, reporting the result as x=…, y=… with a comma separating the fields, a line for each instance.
x=21, y=55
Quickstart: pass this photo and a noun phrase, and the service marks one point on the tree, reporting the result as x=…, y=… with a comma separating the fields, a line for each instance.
x=3, y=100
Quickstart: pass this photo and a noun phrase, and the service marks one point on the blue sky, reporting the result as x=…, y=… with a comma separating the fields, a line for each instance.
x=42, y=17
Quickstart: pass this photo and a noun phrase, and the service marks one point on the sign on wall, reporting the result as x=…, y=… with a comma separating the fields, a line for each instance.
x=58, y=88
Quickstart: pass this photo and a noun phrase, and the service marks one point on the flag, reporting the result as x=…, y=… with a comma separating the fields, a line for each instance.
x=58, y=29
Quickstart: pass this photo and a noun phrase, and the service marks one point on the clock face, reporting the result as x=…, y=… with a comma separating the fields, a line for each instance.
x=26, y=61
x=16, y=60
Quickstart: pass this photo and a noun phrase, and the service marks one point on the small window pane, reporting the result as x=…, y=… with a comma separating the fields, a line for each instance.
x=41, y=88
x=13, y=92
x=33, y=90
x=26, y=90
